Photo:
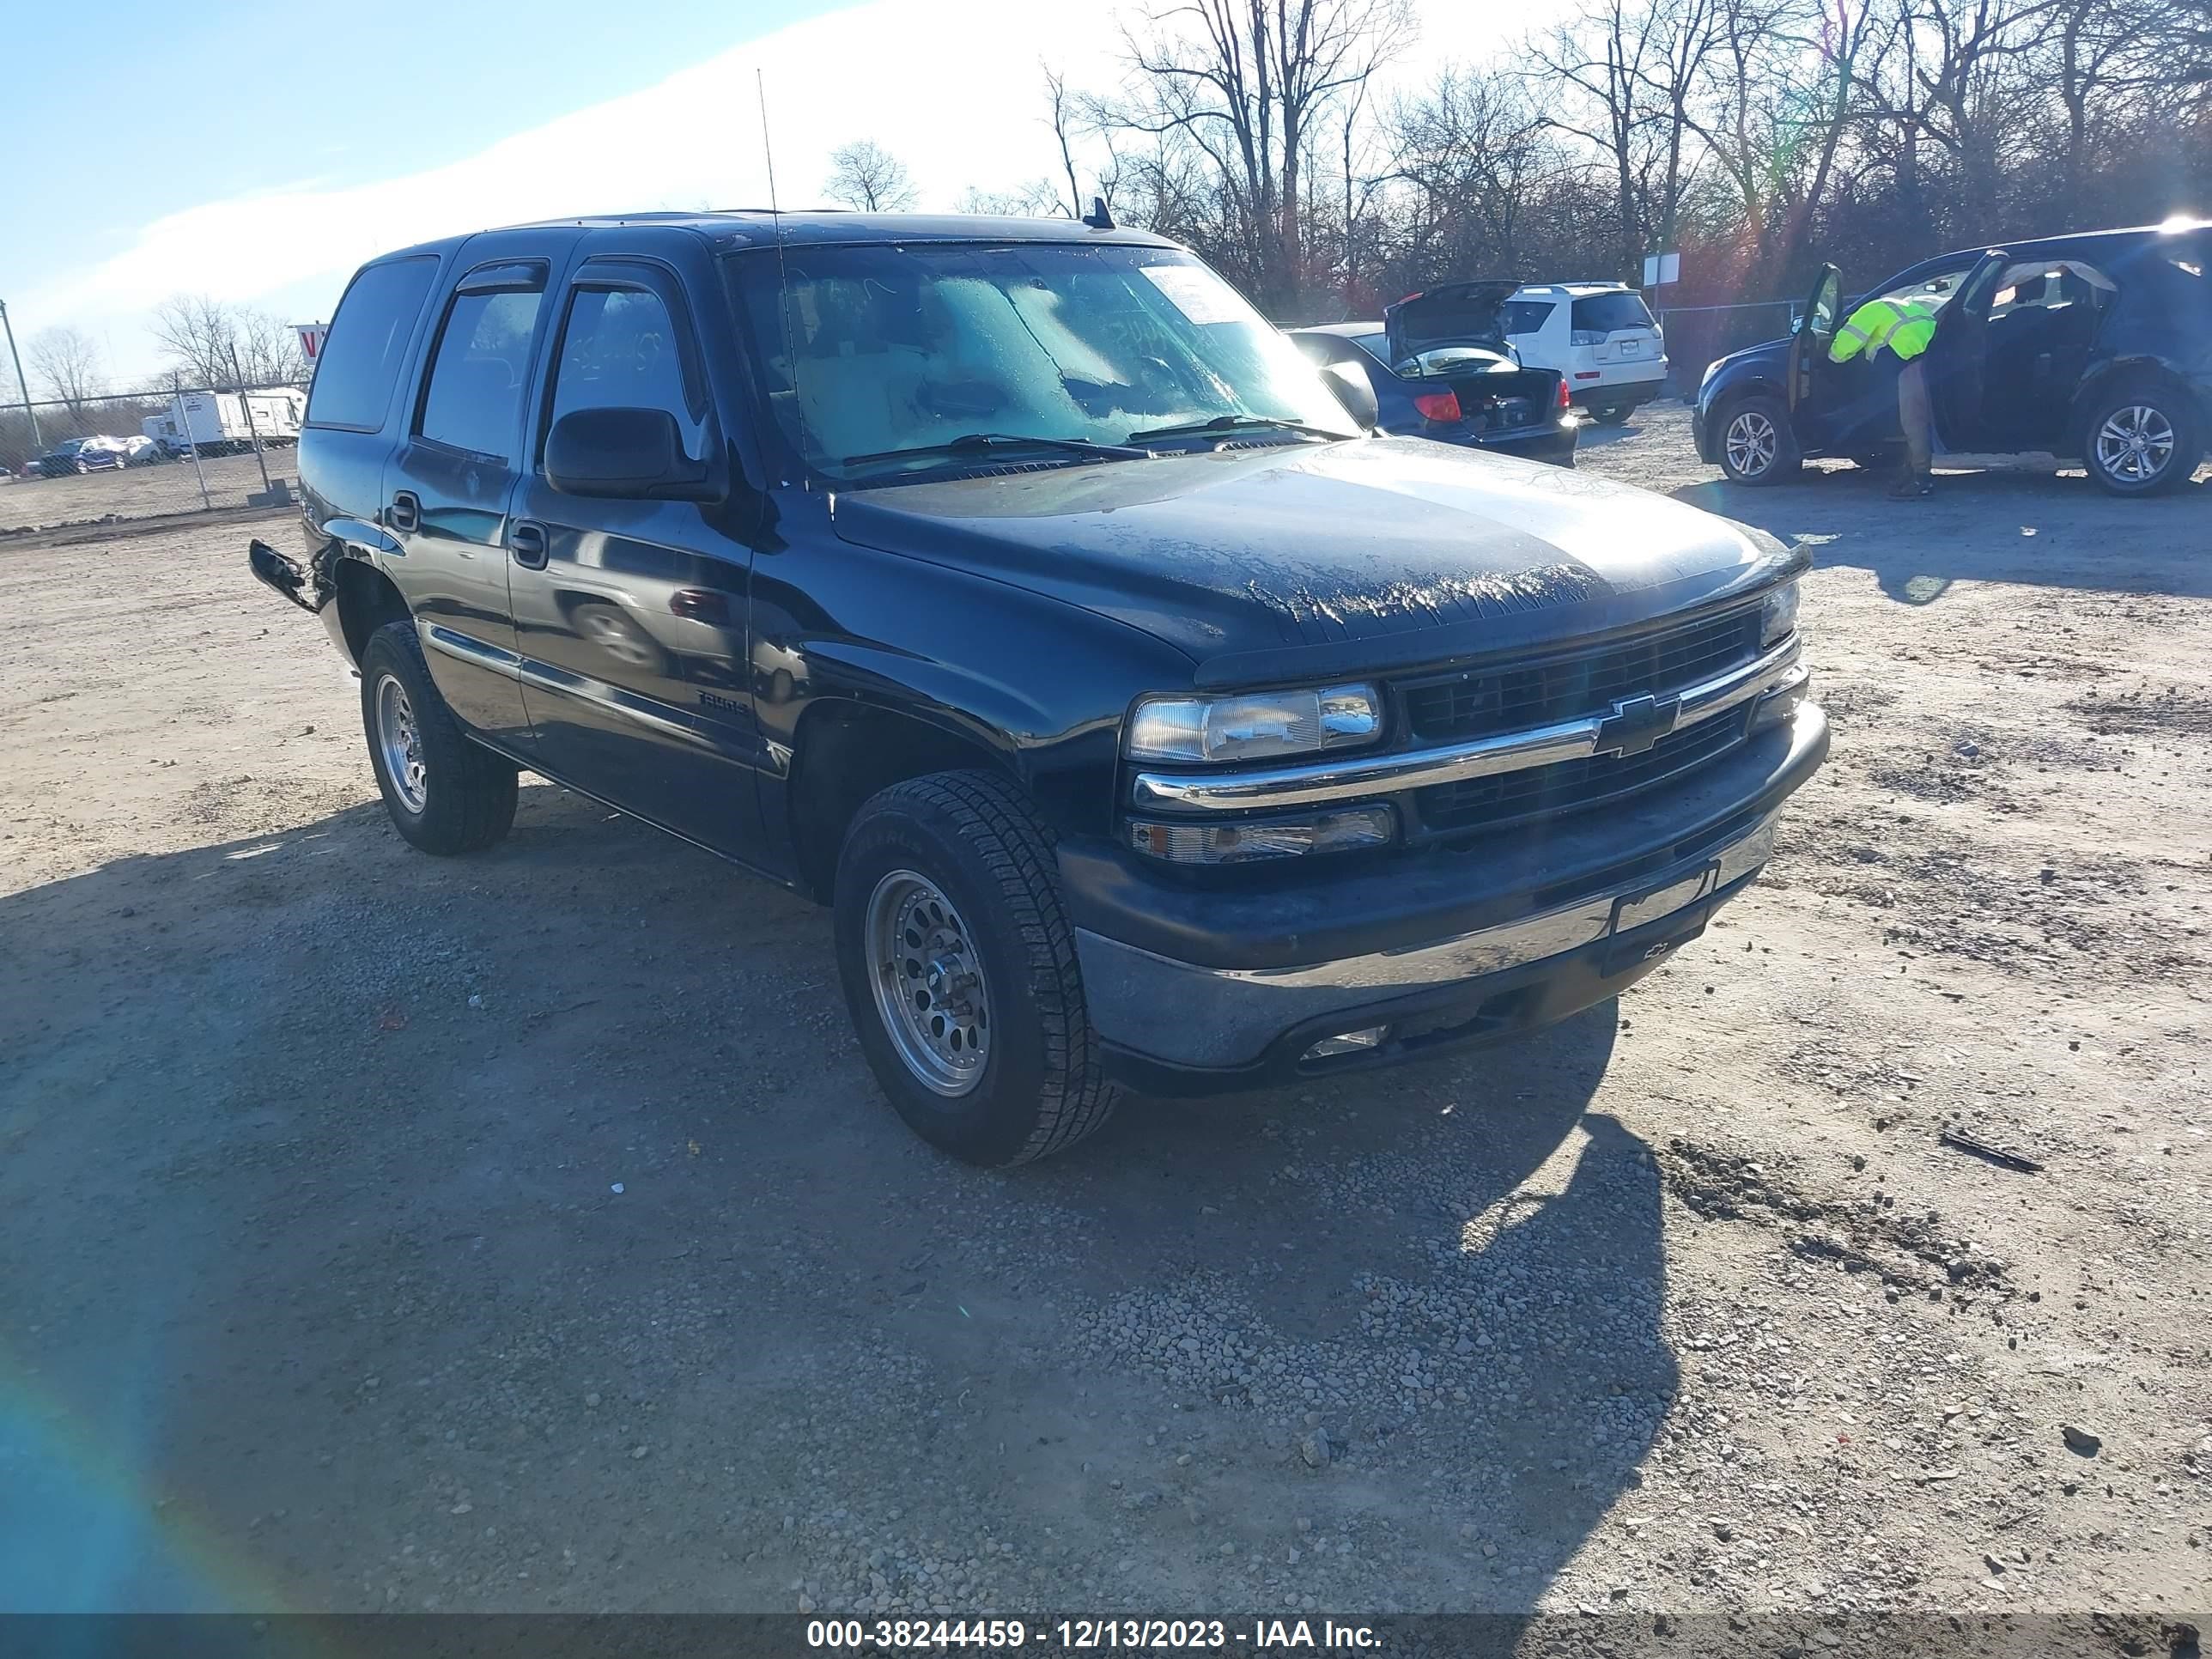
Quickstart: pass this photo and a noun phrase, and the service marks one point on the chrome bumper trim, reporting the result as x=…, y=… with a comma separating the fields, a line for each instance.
x=1187, y=1015
x=1316, y=781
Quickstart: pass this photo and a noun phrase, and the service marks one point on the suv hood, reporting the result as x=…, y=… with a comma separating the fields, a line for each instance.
x=1455, y=314
x=1277, y=562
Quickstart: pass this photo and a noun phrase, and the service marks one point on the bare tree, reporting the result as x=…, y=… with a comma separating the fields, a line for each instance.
x=268, y=351
x=67, y=363
x=1952, y=75
x=1629, y=69
x=866, y=177
x=1037, y=199
x=213, y=344
x=1064, y=117
x=1752, y=134
x=1247, y=84
x=1480, y=156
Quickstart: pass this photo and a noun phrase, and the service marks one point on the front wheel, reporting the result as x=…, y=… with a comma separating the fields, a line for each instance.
x=958, y=966
x=1756, y=446
x=2142, y=439
x=445, y=793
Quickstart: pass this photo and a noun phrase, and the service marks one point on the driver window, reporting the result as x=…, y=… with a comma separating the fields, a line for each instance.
x=620, y=351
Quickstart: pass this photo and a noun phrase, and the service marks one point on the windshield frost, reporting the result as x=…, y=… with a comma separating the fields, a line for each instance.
x=882, y=349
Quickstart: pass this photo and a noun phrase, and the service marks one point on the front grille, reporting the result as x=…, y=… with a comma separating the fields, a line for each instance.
x=1476, y=702
x=1511, y=798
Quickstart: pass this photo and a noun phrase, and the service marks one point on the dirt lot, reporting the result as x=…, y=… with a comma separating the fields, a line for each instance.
x=524, y=1231
x=137, y=492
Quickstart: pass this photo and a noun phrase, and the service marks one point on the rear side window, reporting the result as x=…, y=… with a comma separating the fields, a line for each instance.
x=1524, y=316
x=474, y=400
x=1602, y=313
x=368, y=344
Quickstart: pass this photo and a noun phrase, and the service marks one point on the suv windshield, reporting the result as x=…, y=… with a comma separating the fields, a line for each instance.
x=882, y=351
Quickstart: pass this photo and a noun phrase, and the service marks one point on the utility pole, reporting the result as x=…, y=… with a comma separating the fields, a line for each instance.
x=37, y=442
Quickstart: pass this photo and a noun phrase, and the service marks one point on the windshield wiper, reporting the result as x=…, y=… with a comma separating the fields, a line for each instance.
x=1232, y=423
x=976, y=443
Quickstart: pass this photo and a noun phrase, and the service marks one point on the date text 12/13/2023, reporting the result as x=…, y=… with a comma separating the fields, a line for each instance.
x=1005, y=1635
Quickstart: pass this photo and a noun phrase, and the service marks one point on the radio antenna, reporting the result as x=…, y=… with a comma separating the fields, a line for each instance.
x=782, y=268
x=760, y=91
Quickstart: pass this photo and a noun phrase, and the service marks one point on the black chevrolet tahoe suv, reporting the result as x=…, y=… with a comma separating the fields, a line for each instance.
x=1014, y=588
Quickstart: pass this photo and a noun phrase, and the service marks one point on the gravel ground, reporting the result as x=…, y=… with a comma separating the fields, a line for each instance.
x=525, y=1231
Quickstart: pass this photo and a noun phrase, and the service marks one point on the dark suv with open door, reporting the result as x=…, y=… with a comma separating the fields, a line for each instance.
x=2095, y=347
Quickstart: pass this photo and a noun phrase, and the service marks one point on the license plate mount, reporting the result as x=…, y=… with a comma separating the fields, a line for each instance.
x=1633, y=910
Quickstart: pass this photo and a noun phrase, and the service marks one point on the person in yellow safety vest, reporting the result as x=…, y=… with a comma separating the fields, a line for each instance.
x=1905, y=328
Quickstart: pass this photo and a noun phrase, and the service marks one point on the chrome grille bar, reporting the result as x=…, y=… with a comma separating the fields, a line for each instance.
x=1312, y=782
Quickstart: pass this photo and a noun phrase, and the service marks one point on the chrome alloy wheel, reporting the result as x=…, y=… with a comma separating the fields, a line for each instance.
x=2135, y=444
x=928, y=979
x=1751, y=441
x=400, y=742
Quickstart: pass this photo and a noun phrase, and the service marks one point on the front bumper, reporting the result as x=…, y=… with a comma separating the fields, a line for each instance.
x=1224, y=991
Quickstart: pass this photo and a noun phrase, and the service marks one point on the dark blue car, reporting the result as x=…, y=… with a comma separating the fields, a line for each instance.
x=1441, y=368
x=2095, y=346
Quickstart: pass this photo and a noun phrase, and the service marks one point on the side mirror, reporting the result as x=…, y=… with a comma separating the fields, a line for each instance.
x=626, y=454
x=1355, y=391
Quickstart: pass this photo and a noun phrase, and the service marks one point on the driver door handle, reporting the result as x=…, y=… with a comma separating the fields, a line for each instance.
x=405, y=514
x=527, y=541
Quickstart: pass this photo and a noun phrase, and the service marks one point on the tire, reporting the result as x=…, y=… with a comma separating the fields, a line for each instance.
x=1755, y=443
x=459, y=797
x=1612, y=414
x=953, y=875
x=2142, y=438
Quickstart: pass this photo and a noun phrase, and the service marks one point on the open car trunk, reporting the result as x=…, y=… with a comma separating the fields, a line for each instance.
x=1503, y=400
x=1456, y=315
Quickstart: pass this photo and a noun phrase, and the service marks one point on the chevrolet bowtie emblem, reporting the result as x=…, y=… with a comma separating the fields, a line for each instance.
x=1636, y=724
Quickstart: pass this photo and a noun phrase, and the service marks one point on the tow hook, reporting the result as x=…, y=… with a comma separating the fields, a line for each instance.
x=281, y=574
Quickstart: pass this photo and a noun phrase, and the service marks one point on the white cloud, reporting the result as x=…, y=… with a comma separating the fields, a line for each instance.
x=953, y=87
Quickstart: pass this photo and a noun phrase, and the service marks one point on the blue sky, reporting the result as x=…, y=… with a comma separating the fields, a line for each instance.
x=257, y=152
x=164, y=106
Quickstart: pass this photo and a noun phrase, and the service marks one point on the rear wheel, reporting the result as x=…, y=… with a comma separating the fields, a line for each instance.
x=1756, y=444
x=958, y=964
x=2142, y=438
x=446, y=794
x=1612, y=414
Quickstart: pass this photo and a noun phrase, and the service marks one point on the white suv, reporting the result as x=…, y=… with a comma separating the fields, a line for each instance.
x=1598, y=336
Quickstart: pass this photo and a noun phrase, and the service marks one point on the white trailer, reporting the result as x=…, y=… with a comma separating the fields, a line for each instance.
x=216, y=422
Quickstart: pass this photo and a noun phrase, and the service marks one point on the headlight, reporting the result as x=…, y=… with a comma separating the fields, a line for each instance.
x=1246, y=841
x=1779, y=619
x=1711, y=369
x=1255, y=726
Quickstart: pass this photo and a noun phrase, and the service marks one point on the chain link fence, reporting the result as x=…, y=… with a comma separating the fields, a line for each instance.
x=166, y=450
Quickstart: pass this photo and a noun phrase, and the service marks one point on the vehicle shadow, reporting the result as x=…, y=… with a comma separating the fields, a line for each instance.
x=1596, y=435
x=2006, y=523
x=347, y=1184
